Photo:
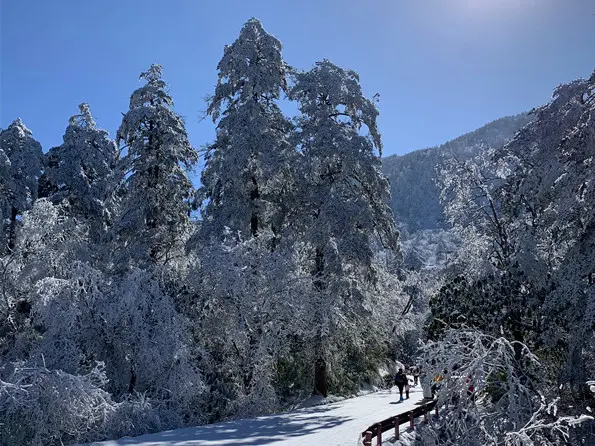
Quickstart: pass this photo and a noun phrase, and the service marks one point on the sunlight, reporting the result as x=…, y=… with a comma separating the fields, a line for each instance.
x=493, y=8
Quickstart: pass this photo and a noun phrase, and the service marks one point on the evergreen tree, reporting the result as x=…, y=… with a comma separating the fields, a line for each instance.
x=79, y=174
x=344, y=213
x=247, y=169
x=20, y=168
x=245, y=195
x=155, y=208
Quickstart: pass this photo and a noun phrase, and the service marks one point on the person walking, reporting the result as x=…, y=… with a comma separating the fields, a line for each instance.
x=415, y=372
x=400, y=382
x=437, y=382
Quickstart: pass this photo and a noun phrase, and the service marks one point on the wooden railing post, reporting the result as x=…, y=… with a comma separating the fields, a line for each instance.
x=376, y=429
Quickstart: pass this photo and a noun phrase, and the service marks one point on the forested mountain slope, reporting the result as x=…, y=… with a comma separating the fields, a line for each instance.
x=415, y=197
x=426, y=239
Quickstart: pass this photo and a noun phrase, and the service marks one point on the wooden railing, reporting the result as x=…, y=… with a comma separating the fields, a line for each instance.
x=377, y=429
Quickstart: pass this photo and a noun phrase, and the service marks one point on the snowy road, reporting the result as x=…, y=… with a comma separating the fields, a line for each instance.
x=335, y=424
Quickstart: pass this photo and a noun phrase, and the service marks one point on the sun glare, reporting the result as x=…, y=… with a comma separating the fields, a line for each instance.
x=479, y=7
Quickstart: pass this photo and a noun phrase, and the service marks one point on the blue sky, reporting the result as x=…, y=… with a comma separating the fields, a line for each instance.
x=441, y=67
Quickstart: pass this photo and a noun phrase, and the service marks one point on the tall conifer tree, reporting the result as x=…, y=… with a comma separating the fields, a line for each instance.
x=155, y=208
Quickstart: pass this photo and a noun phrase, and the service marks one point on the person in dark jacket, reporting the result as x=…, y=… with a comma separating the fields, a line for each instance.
x=400, y=382
x=415, y=372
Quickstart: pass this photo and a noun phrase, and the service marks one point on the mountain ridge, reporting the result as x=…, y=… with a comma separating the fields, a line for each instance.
x=415, y=198
x=426, y=239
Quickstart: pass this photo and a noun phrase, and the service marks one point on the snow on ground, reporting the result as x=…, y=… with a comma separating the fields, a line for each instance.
x=334, y=424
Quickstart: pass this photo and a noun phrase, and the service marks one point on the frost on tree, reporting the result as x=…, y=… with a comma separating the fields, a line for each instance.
x=79, y=173
x=247, y=169
x=79, y=315
x=344, y=216
x=245, y=196
x=154, y=211
x=20, y=167
x=133, y=328
x=246, y=314
x=486, y=287
x=551, y=190
x=526, y=210
x=490, y=395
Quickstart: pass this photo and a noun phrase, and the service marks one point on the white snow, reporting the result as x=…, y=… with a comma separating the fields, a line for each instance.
x=333, y=424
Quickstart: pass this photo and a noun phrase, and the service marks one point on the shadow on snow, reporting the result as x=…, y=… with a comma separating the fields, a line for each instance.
x=261, y=431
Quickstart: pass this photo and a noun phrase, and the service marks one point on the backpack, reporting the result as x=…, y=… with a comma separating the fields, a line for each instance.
x=401, y=379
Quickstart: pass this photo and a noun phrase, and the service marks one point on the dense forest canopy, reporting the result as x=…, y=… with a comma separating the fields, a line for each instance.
x=132, y=301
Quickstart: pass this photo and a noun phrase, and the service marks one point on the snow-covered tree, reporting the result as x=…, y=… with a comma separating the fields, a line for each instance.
x=490, y=394
x=469, y=192
x=247, y=170
x=487, y=286
x=344, y=216
x=550, y=191
x=58, y=407
x=41, y=249
x=244, y=276
x=64, y=315
x=20, y=168
x=133, y=328
x=80, y=173
x=62, y=408
x=155, y=207
x=245, y=312
x=524, y=209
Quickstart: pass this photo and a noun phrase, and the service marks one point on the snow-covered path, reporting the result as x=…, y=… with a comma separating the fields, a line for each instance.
x=335, y=424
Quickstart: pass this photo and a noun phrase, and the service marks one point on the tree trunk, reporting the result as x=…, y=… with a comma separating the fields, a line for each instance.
x=254, y=196
x=319, y=283
x=320, y=366
x=12, y=230
x=132, y=383
x=320, y=376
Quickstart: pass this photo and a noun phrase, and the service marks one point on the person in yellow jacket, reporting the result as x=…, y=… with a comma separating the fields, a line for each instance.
x=437, y=382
